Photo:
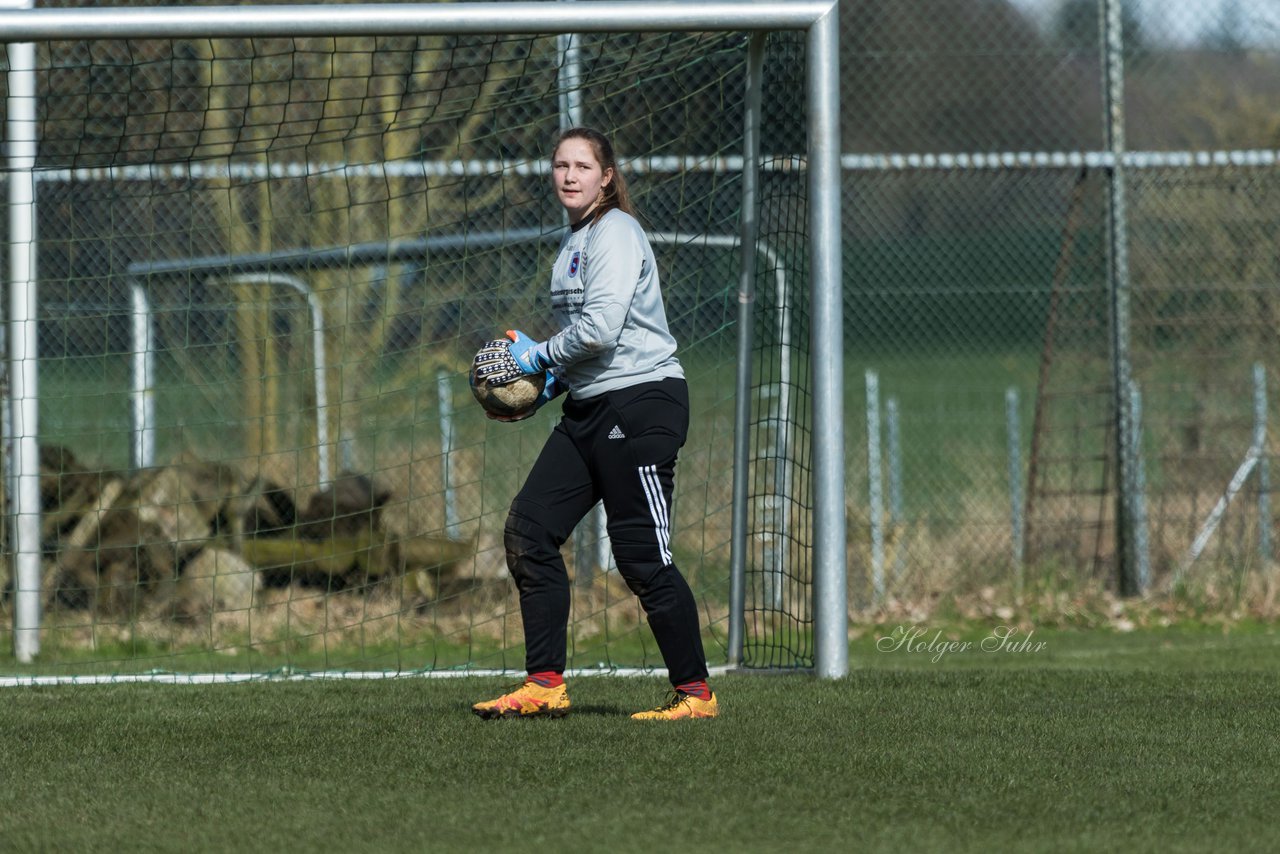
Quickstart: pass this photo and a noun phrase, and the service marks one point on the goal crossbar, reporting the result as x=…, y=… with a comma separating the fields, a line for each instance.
x=386, y=19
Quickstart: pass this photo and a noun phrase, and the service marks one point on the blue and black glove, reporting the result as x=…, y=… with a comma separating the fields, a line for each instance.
x=530, y=355
x=503, y=361
x=494, y=364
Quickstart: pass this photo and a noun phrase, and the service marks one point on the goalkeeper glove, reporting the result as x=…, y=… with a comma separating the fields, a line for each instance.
x=494, y=364
x=530, y=355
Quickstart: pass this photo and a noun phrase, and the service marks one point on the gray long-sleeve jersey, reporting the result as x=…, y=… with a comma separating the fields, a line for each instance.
x=606, y=299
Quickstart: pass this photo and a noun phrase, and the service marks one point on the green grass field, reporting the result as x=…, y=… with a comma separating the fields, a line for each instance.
x=1161, y=740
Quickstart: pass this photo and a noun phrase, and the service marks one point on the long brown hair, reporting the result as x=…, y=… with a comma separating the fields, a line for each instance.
x=615, y=192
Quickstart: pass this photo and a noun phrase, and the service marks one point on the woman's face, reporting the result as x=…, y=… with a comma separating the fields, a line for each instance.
x=578, y=177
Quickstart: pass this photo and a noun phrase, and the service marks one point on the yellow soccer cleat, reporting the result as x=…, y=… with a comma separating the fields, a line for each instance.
x=681, y=706
x=530, y=700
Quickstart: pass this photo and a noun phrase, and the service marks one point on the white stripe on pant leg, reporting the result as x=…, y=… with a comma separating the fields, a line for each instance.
x=657, y=509
x=661, y=515
x=664, y=512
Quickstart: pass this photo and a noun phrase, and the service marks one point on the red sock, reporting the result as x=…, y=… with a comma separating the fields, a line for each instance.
x=697, y=688
x=546, y=679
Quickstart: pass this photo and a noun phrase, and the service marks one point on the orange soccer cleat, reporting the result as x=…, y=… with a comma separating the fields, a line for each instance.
x=680, y=706
x=530, y=700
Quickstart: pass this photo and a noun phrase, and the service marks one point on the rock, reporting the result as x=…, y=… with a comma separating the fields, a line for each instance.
x=215, y=580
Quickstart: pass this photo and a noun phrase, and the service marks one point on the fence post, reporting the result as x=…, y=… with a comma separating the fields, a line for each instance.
x=875, y=496
x=1013, y=426
x=1112, y=34
x=569, y=79
x=897, y=518
x=1264, y=467
x=444, y=394
x=1138, y=497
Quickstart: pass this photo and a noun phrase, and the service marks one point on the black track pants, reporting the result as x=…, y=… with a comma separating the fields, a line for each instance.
x=619, y=447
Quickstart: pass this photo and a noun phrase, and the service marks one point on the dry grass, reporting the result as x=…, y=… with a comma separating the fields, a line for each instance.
x=387, y=616
x=964, y=570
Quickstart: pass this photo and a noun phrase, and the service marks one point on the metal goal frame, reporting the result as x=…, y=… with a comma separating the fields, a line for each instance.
x=21, y=26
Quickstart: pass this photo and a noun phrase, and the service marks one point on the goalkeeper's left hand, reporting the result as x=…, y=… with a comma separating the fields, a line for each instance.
x=494, y=364
x=530, y=355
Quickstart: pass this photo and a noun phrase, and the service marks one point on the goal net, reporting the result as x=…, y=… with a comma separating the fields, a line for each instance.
x=263, y=267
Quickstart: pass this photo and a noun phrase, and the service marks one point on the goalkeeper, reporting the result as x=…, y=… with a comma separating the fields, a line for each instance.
x=624, y=420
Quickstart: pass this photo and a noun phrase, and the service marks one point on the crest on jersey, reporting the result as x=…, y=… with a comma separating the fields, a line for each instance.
x=573, y=264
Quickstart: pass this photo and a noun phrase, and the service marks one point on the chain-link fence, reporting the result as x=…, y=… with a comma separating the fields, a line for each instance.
x=1006, y=328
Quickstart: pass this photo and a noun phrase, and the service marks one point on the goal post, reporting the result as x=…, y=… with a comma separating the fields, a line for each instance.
x=819, y=256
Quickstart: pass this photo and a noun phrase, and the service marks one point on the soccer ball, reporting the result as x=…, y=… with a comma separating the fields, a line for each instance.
x=507, y=399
